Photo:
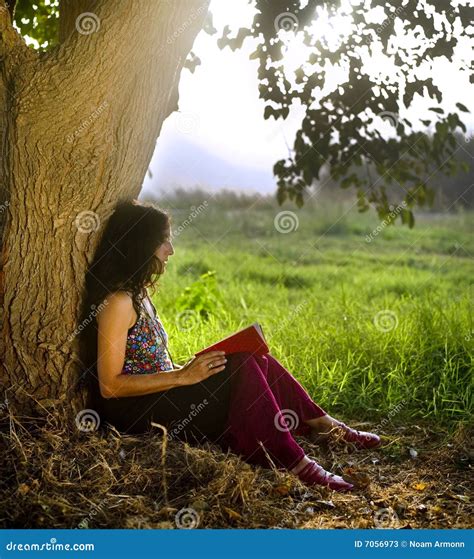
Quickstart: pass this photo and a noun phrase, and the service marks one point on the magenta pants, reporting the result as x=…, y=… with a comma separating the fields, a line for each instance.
x=268, y=406
x=253, y=408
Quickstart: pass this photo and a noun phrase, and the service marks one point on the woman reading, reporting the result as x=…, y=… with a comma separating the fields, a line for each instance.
x=239, y=400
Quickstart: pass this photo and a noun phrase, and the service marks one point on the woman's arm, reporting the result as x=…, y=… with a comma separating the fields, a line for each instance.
x=139, y=385
x=114, y=320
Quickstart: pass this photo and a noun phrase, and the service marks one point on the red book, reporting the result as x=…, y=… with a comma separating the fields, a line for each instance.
x=249, y=340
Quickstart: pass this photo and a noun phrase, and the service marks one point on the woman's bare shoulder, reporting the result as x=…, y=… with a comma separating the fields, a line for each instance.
x=117, y=303
x=121, y=297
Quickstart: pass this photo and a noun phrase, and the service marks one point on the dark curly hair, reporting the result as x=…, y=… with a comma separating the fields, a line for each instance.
x=123, y=261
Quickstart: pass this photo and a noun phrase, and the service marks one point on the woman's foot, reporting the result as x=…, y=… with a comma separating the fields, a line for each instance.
x=361, y=439
x=326, y=427
x=311, y=473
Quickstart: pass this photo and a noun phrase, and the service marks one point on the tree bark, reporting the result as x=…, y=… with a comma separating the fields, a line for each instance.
x=78, y=129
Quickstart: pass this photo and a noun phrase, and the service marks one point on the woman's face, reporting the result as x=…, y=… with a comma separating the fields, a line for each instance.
x=165, y=250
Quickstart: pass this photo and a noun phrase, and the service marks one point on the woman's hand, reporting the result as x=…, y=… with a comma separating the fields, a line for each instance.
x=203, y=366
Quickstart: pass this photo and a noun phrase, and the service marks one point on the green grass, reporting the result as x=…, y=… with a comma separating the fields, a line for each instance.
x=317, y=291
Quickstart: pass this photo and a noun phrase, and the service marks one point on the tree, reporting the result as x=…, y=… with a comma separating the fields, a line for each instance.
x=79, y=126
x=82, y=114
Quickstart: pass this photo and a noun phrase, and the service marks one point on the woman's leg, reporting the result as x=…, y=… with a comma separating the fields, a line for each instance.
x=221, y=409
x=298, y=409
x=194, y=413
x=304, y=415
x=255, y=417
x=231, y=421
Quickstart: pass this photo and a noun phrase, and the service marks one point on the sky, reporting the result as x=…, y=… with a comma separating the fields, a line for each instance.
x=219, y=139
x=220, y=113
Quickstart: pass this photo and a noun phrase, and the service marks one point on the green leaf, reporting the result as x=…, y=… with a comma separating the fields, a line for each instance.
x=270, y=111
x=462, y=107
x=407, y=217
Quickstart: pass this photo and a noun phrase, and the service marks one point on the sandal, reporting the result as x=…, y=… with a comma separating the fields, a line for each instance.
x=361, y=439
x=314, y=474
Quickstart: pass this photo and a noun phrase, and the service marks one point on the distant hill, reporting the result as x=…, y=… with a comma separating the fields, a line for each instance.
x=181, y=162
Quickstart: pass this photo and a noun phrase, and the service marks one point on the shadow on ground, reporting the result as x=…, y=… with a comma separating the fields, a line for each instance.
x=54, y=476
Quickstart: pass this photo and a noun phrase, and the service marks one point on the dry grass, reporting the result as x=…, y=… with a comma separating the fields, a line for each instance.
x=54, y=476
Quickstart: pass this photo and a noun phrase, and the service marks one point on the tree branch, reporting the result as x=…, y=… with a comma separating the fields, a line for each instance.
x=11, y=8
x=10, y=39
x=70, y=11
x=13, y=54
x=99, y=31
x=132, y=43
x=106, y=90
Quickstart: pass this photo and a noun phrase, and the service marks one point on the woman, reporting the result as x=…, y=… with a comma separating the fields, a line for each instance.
x=241, y=402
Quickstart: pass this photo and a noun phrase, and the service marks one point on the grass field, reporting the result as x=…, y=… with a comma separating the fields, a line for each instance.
x=374, y=320
x=318, y=290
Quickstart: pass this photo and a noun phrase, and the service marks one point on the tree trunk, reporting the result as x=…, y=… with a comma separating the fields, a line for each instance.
x=78, y=129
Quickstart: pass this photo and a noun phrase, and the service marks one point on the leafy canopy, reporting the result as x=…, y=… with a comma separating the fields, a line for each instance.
x=340, y=133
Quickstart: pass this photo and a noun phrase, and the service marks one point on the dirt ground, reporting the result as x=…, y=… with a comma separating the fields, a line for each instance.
x=53, y=476
x=420, y=478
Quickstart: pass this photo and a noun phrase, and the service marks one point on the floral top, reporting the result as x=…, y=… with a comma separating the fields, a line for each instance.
x=145, y=351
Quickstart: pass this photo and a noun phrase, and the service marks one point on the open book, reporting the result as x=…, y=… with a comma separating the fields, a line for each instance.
x=249, y=340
